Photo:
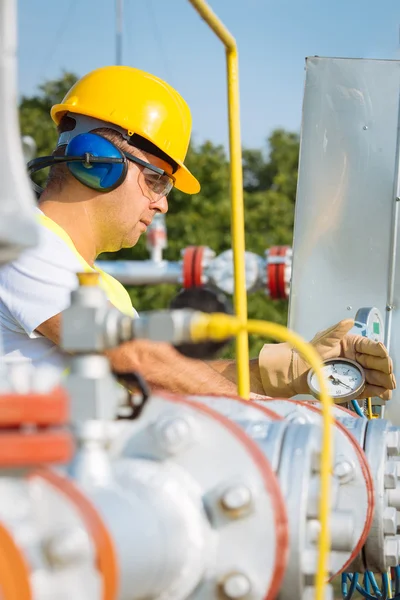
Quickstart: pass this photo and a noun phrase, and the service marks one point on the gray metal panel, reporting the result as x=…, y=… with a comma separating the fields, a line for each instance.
x=344, y=210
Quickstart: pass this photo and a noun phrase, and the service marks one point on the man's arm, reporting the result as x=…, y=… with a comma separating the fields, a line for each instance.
x=227, y=368
x=159, y=363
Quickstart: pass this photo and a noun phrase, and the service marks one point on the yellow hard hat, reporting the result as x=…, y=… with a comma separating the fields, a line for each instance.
x=140, y=103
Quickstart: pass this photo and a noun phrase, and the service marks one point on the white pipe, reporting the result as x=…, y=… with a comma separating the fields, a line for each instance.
x=17, y=224
x=144, y=272
x=160, y=532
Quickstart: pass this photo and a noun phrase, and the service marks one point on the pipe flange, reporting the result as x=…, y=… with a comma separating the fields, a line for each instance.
x=354, y=482
x=293, y=450
x=240, y=495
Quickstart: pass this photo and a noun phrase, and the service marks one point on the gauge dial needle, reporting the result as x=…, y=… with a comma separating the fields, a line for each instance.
x=338, y=382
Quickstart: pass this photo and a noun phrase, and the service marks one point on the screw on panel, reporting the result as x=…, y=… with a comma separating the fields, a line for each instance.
x=349, y=307
x=236, y=586
x=236, y=500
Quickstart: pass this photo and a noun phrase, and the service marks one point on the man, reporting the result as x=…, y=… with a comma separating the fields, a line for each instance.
x=123, y=137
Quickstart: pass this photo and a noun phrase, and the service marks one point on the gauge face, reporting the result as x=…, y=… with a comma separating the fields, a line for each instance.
x=345, y=379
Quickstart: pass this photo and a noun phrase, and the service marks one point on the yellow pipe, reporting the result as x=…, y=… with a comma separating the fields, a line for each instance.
x=221, y=326
x=237, y=209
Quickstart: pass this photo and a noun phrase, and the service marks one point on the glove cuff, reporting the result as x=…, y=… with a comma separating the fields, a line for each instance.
x=276, y=370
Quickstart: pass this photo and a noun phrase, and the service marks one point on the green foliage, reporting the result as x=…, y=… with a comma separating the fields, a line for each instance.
x=34, y=116
x=270, y=180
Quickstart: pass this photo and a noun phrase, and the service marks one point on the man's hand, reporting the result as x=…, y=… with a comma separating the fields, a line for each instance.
x=284, y=372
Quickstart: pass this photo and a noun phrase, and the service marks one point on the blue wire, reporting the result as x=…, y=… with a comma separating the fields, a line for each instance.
x=362, y=591
x=374, y=584
x=366, y=583
x=348, y=595
x=397, y=581
x=365, y=594
x=357, y=408
x=344, y=585
x=385, y=585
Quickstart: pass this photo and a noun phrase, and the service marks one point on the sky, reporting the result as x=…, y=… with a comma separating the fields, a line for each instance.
x=168, y=38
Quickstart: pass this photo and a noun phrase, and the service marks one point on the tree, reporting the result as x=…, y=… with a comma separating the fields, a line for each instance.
x=283, y=161
x=34, y=115
x=204, y=219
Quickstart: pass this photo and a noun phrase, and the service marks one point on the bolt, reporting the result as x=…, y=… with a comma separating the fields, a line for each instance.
x=344, y=471
x=341, y=526
x=69, y=547
x=390, y=521
x=313, y=530
x=315, y=461
x=342, y=531
x=393, y=497
x=365, y=127
x=173, y=433
x=393, y=442
x=391, y=552
x=236, y=586
x=236, y=500
x=390, y=477
x=296, y=416
x=349, y=307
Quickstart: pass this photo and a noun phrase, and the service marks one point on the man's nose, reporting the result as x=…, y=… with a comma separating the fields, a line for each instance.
x=161, y=205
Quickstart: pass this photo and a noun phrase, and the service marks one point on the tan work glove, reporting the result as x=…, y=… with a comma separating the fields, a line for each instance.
x=284, y=372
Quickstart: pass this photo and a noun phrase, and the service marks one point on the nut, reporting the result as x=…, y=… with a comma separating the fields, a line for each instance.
x=390, y=521
x=236, y=500
x=297, y=416
x=173, y=433
x=390, y=477
x=236, y=586
x=391, y=552
x=393, y=442
x=393, y=497
x=344, y=471
x=68, y=547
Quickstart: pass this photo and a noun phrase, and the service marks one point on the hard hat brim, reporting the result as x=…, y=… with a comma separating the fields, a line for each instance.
x=185, y=181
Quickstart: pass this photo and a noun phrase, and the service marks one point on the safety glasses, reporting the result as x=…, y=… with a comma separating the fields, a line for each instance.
x=159, y=182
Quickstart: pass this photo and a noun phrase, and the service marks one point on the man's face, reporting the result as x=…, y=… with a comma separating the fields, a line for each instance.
x=130, y=208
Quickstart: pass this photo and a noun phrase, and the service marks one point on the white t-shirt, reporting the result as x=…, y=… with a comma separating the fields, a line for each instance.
x=34, y=288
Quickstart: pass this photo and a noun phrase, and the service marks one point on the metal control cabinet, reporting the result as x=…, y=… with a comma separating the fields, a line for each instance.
x=346, y=221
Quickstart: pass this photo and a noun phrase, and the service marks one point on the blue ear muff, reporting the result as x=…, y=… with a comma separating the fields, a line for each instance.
x=100, y=176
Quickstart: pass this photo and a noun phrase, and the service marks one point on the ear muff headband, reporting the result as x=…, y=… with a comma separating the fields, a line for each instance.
x=92, y=159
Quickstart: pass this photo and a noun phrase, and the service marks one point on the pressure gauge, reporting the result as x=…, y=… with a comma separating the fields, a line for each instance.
x=344, y=377
x=369, y=323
